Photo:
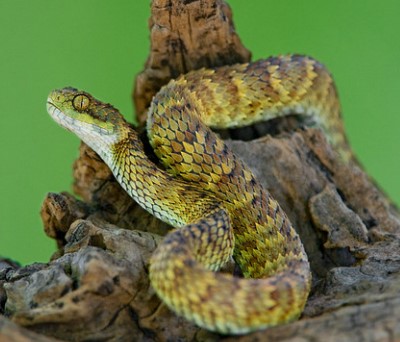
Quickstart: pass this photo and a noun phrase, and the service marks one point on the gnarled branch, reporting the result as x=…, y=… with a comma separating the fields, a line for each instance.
x=96, y=286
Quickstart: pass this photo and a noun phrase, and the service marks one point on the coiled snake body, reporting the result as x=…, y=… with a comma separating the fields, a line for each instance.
x=209, y=192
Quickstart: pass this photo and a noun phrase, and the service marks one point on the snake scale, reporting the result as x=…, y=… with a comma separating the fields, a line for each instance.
x=210, y=194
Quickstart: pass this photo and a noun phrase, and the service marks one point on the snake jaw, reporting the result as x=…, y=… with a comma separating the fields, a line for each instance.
x=99, y=135
x=69, y=122
x=58, y=116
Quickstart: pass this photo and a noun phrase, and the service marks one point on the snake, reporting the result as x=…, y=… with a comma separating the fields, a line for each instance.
x=219, y=211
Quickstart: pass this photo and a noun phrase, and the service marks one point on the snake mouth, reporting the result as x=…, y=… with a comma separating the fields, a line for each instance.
x=53, y=110
x=50, y=105
x=59, y=116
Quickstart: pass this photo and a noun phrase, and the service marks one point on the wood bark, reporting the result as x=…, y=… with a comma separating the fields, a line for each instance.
x=96, y=285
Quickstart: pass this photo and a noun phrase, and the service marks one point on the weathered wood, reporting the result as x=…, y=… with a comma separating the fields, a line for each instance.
x=10, y=332
x=186, y=35
x=97, y=287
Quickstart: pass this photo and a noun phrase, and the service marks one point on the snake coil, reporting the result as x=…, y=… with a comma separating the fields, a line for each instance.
x=207, y=192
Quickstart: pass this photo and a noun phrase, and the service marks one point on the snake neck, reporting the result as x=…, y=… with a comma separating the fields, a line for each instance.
x=154, y=189
x=136, y=173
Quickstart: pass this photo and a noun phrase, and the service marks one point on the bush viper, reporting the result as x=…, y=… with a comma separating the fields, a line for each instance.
x=207, y=192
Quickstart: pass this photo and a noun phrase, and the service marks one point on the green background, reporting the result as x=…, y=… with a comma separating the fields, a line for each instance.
x=100, y=45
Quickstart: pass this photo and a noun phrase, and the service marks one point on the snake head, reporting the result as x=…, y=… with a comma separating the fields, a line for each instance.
x=98, y=124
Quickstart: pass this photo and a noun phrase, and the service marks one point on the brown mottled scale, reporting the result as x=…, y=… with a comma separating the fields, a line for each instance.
x=220, y=207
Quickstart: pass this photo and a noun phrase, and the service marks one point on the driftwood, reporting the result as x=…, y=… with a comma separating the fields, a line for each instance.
x=96, y=285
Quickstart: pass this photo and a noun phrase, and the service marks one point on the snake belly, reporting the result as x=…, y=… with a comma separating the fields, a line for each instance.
x=207, y=192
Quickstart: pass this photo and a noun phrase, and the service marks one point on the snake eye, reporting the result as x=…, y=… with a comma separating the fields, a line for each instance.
x=81, y=102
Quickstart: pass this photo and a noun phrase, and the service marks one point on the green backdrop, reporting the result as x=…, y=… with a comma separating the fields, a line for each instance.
x=100, y=45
